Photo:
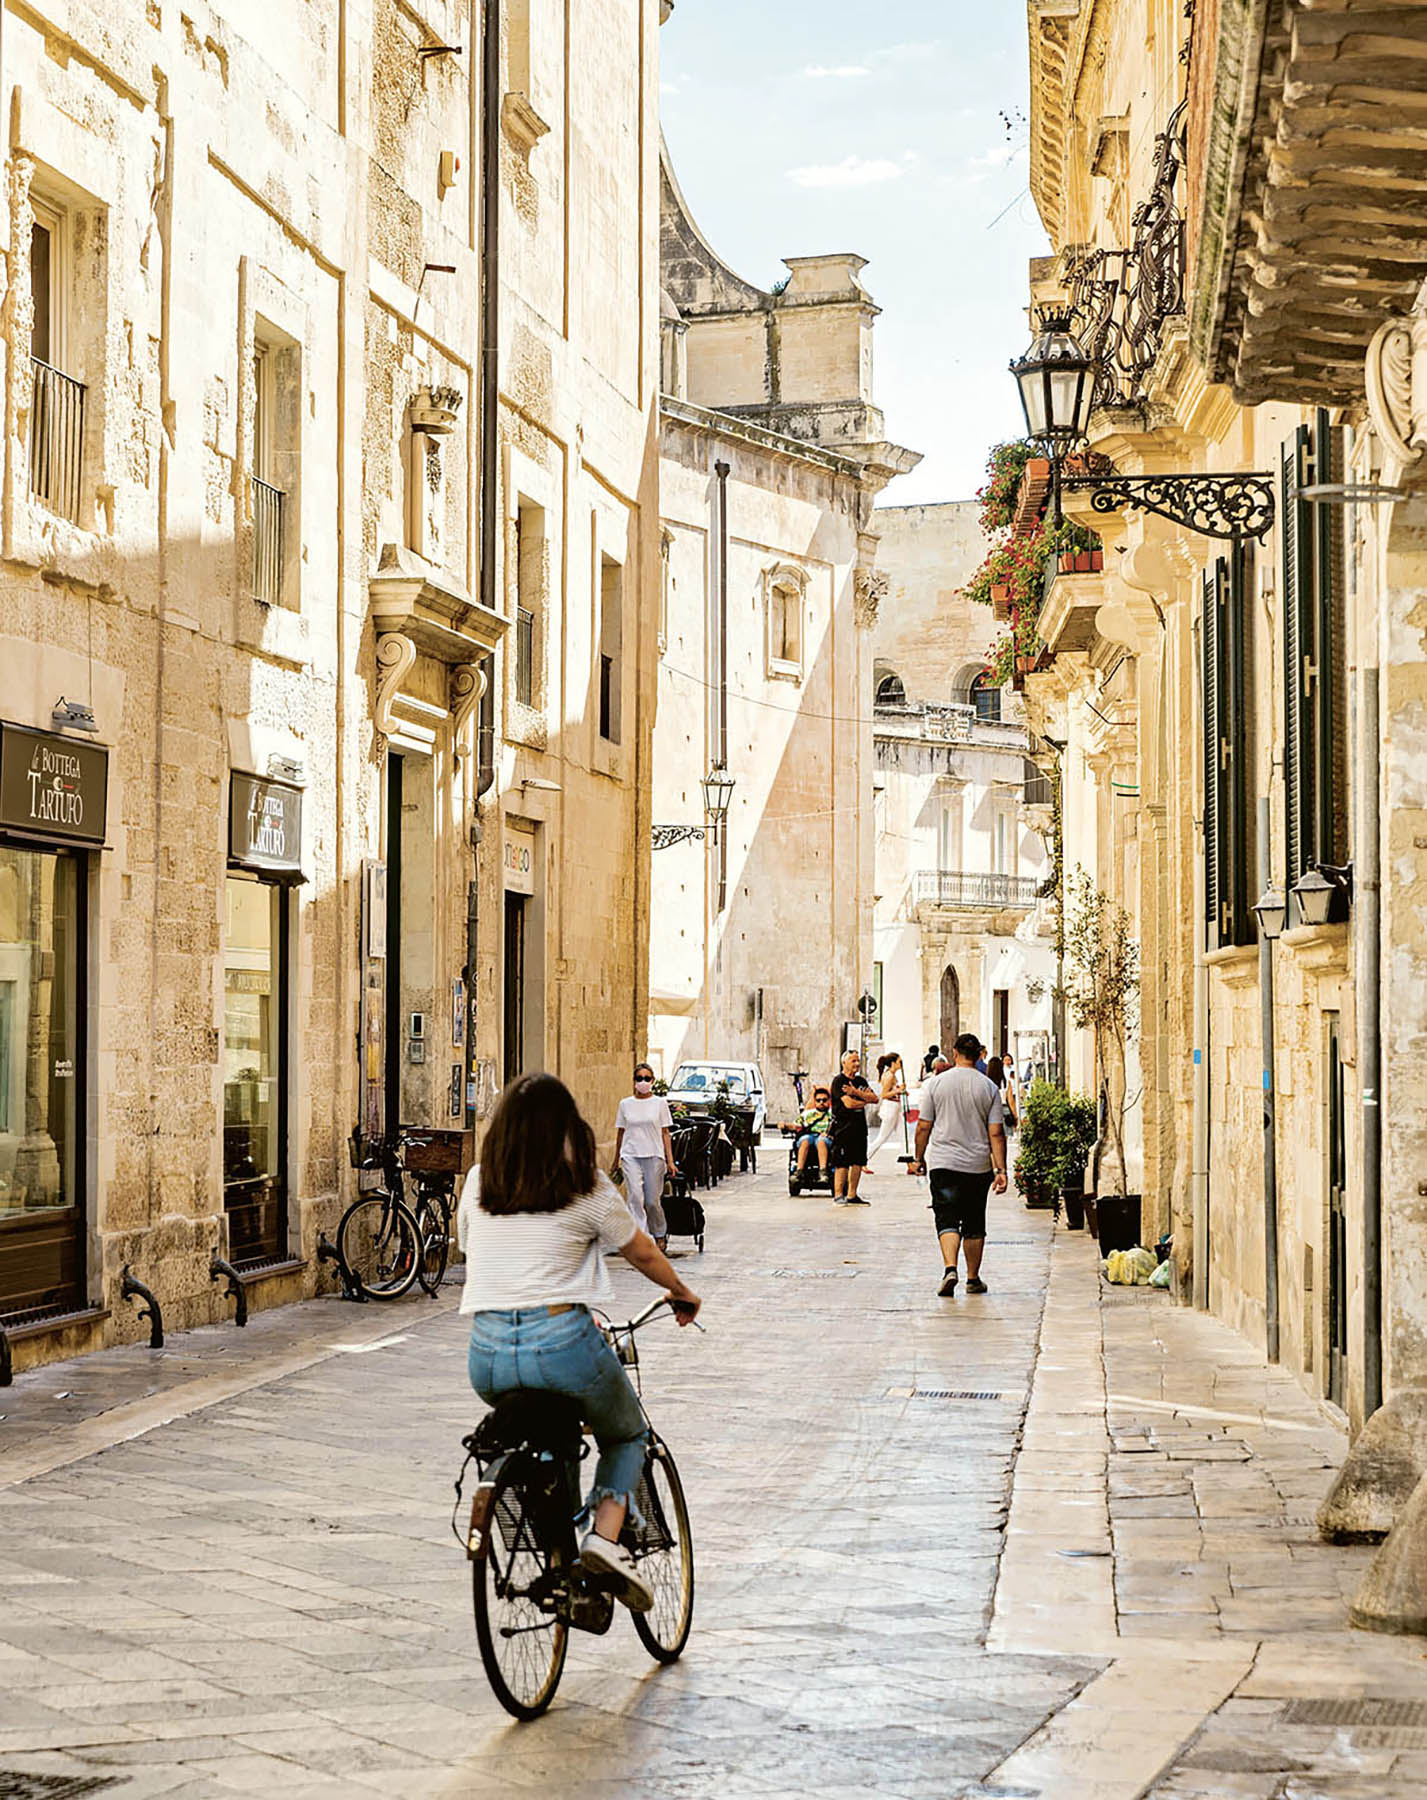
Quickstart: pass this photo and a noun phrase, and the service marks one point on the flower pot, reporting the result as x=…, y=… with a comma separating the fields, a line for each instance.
x=1073, y=1201
x=1119, y=1216
x=1092, y=1214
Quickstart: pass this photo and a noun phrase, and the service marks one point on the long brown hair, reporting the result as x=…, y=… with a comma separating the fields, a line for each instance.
x=538, y=1154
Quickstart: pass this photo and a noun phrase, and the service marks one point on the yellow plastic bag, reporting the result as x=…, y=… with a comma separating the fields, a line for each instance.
x=1130, y=1268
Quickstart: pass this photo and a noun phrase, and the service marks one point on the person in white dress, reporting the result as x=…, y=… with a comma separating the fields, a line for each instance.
x=644, y=1153
x=893, y=1098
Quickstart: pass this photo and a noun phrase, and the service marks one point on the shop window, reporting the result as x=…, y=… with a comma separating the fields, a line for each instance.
x=610, y=647
x=254, y=1069
x=41, y=1080
x=1229, y=829
x=1315, y=717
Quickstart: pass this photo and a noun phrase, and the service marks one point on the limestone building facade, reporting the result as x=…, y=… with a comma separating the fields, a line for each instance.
x=1241, y=715
x=771, y=454
x=961, y=929
x=327, y=677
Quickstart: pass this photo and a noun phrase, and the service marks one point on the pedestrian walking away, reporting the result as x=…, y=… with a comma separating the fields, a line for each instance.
x=535, y=1214
x=961, y=1146
x=930, y=1060
x=644, y=1153
x=999, y=1072
x=851, y=1096
x=893, y=1098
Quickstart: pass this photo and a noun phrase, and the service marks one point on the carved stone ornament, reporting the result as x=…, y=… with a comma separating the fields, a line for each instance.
x=468, y=685
x=433, y=410
x=869, y=589
x=1388, y=379
x=395, y=655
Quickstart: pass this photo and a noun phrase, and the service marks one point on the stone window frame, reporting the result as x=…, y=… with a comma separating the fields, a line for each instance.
x=528, y=483
x=780, y=581
x=614, y=539
x=275, y=322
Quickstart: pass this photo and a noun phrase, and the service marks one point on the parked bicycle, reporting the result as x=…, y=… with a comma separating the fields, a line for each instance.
x=529, y=1587
x=385, y=1244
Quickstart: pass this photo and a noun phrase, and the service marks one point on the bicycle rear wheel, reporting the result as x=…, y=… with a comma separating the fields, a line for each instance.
x=520, y=1588
x=380, y=1244
x=434, y=1225
x=664, y=1551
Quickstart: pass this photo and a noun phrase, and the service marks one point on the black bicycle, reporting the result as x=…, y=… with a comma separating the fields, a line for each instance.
x=530, y=1590
x=432, y=1156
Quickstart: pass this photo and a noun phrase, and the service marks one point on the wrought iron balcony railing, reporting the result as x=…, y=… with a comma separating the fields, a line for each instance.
x=56, y=439
x=962, y=888
x=1122, y=298
x=269, y=518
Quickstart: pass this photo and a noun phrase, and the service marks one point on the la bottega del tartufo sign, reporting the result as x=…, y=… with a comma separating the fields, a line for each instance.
x=265, y=826
x=52, y=787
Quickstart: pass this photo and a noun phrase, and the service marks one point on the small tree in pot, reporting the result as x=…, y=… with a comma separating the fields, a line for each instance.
x=1102, y=969
x=1079, y=1128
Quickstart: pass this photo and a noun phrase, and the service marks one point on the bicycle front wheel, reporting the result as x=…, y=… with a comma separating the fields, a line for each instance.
x=380, y=1244
x=664, y=1551
x=434, y=1225
x=521, y=1588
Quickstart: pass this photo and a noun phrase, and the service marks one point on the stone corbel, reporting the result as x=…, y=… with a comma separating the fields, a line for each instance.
x=468, y=686
x=395, y=655
x=869, y=589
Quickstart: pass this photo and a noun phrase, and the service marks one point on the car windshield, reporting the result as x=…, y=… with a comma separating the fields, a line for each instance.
x=690, y=1080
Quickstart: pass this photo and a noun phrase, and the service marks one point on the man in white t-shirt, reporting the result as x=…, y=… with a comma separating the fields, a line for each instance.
x=961, y=1144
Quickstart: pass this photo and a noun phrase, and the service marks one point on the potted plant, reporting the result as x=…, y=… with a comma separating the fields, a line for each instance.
x=1079, y=1128
x=1038, y=1144
x=1102, y=979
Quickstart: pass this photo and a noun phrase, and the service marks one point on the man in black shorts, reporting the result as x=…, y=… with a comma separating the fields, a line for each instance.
x=851, y=1096
x=961, y=1143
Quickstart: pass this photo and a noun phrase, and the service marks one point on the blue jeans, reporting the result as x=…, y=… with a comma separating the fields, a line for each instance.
x=565, y=1353
x=815, y=1140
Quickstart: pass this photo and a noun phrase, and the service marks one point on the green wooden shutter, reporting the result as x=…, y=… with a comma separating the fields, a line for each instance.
x=1213, y=710
x=1295, y=535
x=1235, y=752
x=1330, y=654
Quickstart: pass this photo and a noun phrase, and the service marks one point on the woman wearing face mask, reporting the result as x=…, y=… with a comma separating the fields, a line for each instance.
x=644, y=1150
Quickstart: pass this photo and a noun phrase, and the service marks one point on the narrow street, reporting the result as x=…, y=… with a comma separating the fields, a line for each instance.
x=262, y=1595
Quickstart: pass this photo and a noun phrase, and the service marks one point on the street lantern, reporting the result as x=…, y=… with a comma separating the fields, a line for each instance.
x=1057, y=381
x=1270, y=909
x=718, y=791
x=1317, y=890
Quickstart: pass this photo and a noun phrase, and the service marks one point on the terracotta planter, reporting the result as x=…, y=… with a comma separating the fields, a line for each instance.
x=1081, y=562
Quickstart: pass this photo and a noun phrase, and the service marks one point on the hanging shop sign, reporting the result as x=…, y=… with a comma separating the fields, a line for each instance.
x=519, y=861
x=52, y=787
x=265, y=827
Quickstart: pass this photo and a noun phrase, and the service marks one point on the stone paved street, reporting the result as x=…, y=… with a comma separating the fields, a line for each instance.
x=258, y=1593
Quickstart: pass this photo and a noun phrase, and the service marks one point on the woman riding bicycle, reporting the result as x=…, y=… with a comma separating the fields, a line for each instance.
x=535, y=1215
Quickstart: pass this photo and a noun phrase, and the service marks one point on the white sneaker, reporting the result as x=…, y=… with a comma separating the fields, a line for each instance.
x=601, y=1557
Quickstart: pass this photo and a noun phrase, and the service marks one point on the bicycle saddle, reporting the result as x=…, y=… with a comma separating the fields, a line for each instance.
x=531, y=1416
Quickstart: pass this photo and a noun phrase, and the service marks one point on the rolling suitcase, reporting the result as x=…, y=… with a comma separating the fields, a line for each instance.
x=682, y=1212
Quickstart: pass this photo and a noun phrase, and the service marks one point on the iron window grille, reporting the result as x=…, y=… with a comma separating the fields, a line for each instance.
x=525, y=657
x=269, y=510
x=56, y=439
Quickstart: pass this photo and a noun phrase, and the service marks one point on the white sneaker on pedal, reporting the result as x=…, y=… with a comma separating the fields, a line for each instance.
x=601, y=1557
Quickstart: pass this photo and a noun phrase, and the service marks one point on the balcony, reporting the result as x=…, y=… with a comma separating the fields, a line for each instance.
x=56, y=439
x=268, y=508
x=963, y=891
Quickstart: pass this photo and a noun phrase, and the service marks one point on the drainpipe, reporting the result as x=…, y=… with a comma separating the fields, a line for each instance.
x=489, y=496
x=1270, y=1104
x=1367, y=902
x=1199, y=1157
x=721, y=471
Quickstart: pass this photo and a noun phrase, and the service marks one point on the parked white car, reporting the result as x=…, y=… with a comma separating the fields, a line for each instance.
x=696, y=1085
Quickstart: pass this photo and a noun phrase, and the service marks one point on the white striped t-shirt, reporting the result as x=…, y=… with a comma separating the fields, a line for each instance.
x=544, y=1258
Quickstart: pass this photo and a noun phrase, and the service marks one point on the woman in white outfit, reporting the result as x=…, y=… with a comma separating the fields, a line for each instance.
x=889, y=1074
x=644, y=1151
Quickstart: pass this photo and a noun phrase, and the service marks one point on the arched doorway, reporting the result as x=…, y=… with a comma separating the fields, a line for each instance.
x=950, y=1010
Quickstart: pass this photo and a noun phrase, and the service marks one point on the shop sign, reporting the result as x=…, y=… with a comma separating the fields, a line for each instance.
x=265, y=826
x=519, y=862
x=52, y=787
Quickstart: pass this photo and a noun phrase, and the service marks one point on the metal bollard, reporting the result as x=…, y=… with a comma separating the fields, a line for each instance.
x=235, y=1289
x=130, y=1288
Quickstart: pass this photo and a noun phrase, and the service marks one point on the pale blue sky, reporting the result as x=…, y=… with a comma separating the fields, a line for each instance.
x=805, y=126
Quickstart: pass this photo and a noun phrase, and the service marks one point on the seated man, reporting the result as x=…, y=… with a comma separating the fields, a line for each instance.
x=815, y=1128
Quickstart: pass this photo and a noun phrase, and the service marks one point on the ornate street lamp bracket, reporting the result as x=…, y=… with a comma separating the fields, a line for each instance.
x=1219, y=506
x=667, y=835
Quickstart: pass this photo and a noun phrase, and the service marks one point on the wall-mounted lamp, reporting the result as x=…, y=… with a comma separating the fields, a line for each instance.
x=1271, y=909
x=72, y=715
x=284, y=768
x=1318, y=890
